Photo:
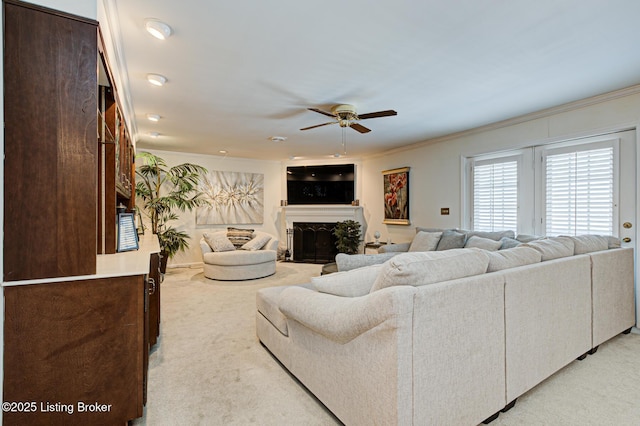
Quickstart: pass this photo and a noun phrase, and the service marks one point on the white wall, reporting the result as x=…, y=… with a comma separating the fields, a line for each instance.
x=434, y=179
x=272, y=196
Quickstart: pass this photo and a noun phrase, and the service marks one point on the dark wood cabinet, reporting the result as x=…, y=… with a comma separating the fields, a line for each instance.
x=155, y=281
x=50, y=169
x=75, y=342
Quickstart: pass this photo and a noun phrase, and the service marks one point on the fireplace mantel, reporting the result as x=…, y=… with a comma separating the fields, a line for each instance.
x=322, y=213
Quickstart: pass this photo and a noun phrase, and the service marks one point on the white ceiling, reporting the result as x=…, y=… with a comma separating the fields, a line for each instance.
x=242, y=71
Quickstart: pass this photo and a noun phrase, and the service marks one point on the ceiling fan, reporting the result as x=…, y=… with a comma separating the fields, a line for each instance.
x=346, y=116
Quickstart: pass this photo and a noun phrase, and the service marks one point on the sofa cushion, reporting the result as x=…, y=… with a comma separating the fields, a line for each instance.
x=422, y=229
x=347, y=262
x=451, y=239
x=425, y=241
x=508, y=243
x=589, y=243
x=257, y=242
x=552, y=248
x=238, y=236
x=513, y=257
x=483, y=243
x=492, y=235
x=218, y=241
x=524, y=238
x=239, y=257
x=352, y=283
x=421, y=268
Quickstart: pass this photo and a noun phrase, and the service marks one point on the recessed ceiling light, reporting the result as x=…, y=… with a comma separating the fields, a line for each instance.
x=154, y=134
x=222, y=151
x=158, y=29
x=153, y=117
x=156, y=79
x=277, y=138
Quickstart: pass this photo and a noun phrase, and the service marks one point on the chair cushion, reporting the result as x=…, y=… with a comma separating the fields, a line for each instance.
x=257, y=242
x=239, y=257
x=218, y=241
x=238, y=236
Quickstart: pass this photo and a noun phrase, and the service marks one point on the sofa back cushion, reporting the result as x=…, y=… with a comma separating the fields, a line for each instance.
x=425, y=241
x=347, y=262
x=513, y=257
x=589, y=243
x=422, y=268
x=352, y=283
x=492, y=235
x=552, y=248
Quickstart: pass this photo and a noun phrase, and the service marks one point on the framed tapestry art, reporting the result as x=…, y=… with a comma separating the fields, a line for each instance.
x=396, y=196
x=235, y=198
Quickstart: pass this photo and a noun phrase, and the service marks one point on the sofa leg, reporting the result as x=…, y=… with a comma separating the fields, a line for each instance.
x=593, y=350
x=627, y=331
x=509, y=406
x=583, y=356
x=492, y=418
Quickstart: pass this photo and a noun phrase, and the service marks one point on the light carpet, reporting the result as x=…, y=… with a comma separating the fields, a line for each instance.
x=208, y=367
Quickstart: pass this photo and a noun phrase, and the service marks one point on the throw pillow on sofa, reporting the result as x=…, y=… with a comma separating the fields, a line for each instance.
x=513, y=257
x=451, y=239
x=508, y=243
x=422, y=268
x=218, y=241
x=352, y=283
x=492, y=235
x=552, y=248
x=483, y=243
x=256, y=243
x=425, y=241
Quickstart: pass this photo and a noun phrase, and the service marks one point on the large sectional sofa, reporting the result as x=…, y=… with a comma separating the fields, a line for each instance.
x=449, y=337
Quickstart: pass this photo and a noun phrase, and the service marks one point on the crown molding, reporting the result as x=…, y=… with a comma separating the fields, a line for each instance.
x=547, y=112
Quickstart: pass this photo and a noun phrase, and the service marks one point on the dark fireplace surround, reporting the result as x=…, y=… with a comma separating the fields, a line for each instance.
x=314, y=242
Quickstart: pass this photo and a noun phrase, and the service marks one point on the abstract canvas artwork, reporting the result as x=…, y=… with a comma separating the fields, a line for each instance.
x=235, y=198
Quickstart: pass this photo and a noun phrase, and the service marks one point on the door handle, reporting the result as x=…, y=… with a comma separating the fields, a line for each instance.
x=626, y=240
x=627, y=225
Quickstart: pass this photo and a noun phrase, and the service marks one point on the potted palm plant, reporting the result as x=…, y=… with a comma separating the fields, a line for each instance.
x=164, y=190
x=347, y=235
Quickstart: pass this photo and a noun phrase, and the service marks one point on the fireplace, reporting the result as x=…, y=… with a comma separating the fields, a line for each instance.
x=311, y=229
x=314, y=242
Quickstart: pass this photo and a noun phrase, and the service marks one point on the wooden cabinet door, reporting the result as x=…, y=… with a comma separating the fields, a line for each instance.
x=50, y=169
x=75, y=342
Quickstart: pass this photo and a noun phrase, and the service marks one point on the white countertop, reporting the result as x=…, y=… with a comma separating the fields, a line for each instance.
x=135, y=262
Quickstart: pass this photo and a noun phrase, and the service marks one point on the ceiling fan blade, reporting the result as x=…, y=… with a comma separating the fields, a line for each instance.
x=359, y=127
x=320, y=125
x=386, y=113
x=328, y=114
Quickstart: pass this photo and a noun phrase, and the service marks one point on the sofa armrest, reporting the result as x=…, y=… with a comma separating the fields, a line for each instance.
x=342, y=319
x=400, y=247
x=271, y=245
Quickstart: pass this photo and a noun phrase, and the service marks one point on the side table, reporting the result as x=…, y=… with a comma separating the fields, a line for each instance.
x=373, y=245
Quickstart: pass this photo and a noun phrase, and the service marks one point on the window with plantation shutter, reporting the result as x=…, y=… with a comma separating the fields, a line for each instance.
x=495, y=194
x=579, y=189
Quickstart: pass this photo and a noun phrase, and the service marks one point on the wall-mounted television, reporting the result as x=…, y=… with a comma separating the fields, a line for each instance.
x=329, y=184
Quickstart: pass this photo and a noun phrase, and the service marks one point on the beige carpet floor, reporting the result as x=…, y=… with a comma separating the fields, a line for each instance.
x=208, y=367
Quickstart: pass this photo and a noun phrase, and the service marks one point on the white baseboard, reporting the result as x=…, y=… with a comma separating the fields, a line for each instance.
x=192, y=265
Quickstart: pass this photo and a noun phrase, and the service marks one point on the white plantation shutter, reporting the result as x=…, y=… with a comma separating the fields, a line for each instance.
x=579, y=191
x=495, y=195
